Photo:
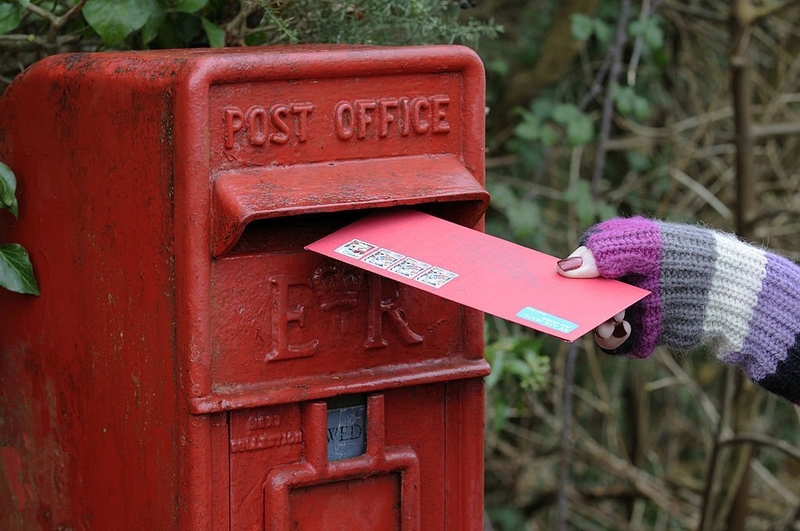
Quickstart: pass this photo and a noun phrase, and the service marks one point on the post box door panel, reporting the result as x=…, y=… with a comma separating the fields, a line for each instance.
x=400, y=481
x=372, y=503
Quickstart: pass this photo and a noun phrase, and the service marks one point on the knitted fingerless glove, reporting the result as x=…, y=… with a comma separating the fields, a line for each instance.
x=707, y=288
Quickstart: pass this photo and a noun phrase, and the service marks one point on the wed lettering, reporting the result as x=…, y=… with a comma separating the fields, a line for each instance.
x=345, y=433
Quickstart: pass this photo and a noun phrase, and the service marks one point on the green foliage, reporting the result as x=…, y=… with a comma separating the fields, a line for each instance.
x=119, y=23
x=521, y=216
x=115, y=20
x=16, y=272
x=588, y=208
x=583, y=27
x=555, y=134
x=543, y=126
x=650, y=30
x=10, y=16
x=546, y=123
x=189, y=23
x=215, y=34
x=187, y=6
x=8, y=190
x=518, y=368
x=376, y=22
x=579, y=127
x=506, y=518
x=534, y=129
x=630, y=104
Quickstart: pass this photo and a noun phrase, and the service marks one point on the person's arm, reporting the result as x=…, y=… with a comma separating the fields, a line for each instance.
x=707, y=288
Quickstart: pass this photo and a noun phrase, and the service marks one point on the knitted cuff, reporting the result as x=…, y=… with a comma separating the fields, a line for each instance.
x=707, y=288
x=630, y=250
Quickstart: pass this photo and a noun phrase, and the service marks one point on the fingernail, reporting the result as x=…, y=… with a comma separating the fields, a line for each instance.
x=570, y=264
x=619, y=330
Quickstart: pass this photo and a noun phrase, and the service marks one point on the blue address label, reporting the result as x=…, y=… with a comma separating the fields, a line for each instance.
x=546, y=319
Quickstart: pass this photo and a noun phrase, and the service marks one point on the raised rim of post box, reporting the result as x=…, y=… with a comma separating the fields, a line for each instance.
x=199, y=71
x=239, y=198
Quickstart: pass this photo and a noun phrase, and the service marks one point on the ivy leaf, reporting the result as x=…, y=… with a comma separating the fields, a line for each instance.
x=580, y=130
x=114, y=20
x=9, y=17
x=501, y=414
x=498, y=66
x=158, y=12
x=16, y=272
x=518, y=367
x=652, y=34
x=581, y=27
x=548, y=135
x=637, y=161
x=523, y=218
x=503, y=197
x=579, y=193
x=215, y=34
x=542, y=107
x=565, y=112
x=189, y=6
x=602, y=31
x=641, y=108
x=635, y=28
x=605, y=211
x=623, y=99
x=497, y=363
x=654, y=37
x=8, y=190
x=529, y=128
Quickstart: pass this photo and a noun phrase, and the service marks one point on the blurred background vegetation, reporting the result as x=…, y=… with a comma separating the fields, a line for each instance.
x=681, y=109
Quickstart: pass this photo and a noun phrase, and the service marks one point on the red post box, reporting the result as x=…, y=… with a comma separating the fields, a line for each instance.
x=188, y=365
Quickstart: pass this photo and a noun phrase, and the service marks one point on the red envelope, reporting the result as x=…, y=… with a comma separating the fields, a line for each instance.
x=477, y=270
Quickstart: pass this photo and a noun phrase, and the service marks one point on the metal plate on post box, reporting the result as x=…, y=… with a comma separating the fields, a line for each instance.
x=347, y=432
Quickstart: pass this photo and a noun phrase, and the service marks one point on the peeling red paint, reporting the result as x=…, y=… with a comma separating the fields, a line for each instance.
x=12, y=465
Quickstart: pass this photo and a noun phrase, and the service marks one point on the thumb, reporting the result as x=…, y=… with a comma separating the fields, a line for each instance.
x=580, y=264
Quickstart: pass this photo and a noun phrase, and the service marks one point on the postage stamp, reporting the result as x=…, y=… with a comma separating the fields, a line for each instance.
x=409, y=268
x=356, y=249
x=436, y=277
x=383, y=258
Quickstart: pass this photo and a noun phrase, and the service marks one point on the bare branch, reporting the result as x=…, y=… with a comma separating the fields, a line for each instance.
x=29, y=43
x=237, y=27
x=45, y=14
x=56, y=22
x=763, y=440
x=608, y=104
x=566, y=438
x=747, y=14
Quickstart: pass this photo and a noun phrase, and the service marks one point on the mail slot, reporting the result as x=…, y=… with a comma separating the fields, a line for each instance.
x=189, y=365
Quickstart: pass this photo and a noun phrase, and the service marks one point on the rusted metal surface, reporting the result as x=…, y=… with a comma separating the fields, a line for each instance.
x=177, y=371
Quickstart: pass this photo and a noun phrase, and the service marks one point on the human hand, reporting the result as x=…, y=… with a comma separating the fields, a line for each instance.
x=706, y=288
x=611, y=334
